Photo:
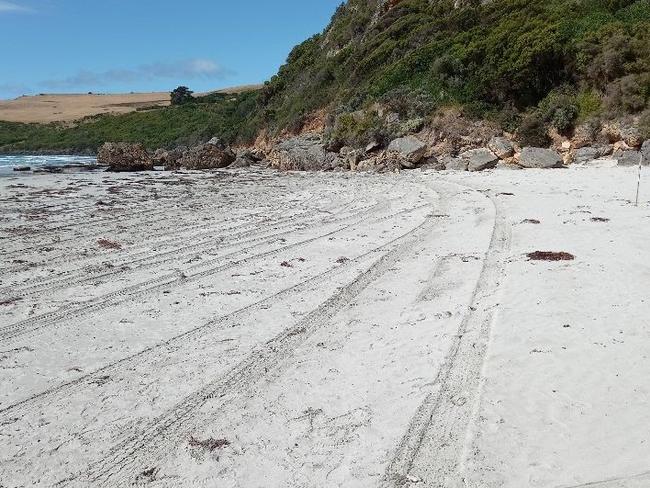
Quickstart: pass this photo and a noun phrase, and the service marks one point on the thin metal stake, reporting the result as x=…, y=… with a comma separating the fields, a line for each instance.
x=638, y=183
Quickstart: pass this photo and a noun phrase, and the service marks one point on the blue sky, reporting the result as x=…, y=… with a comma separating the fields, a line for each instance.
x=76, y=46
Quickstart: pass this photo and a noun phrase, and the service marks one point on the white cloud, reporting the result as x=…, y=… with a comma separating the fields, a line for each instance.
x=12, y=7
x=179, y=71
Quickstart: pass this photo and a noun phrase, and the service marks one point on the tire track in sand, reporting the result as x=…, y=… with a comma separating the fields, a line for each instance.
x=209, y=243
x=73, y=310
x=121, y=465
x=431, y=452
x=165, y=349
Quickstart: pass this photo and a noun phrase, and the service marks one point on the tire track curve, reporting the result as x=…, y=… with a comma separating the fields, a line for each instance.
x=432, y=449
x=164, y=349
x=122, y=463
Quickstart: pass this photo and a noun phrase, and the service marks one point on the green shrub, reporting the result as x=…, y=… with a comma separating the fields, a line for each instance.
x=589, y=104
x=533, y=130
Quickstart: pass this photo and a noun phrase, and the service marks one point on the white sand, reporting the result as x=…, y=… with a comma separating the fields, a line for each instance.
x=336, y=329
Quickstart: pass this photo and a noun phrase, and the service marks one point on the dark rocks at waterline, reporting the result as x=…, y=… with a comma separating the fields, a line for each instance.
x=121, y=156
x=21, y=169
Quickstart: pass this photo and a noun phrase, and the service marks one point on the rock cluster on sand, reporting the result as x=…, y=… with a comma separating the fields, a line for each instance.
x=480, y=150
x=304, y=153
x=479, y=159
x=211, y=155
x=122, y=156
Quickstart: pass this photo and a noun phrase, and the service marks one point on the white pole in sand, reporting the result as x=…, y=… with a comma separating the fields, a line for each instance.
x=638, y=182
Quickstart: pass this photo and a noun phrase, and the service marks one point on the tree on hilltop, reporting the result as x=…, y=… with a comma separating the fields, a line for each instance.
x=181, y=95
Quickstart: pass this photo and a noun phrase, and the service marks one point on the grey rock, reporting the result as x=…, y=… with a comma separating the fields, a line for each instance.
x=502, y=147
x=410, y=148
x=207, y=156
x=304, y=153
x=455, y=164
x=589, y=153
x=480, y=159
x=351, y=157
x=169, y=158
x=122, y=156
x=631, y=136
x=507, y=166
x=537, y=157
x=645, y=150
x=215, y=141
x=372, y=146
x=432, y=162
x=628, y=158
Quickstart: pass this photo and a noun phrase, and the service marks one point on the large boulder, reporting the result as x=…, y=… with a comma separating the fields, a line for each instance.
x=455, y=164
x=212, y=155
x=645, y=150
x=537, y=157
x=589, y=153
x=122, y=156
x=245, y=158
x=631, y=136
x=480, y=159
x=628, y=158
x=303, y=153
x=351, y=157
x=409, y=149
x=170, y=159
x=501, y=147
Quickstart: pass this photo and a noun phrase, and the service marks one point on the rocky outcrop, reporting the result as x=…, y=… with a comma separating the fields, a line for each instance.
x=410, y=150
x=122, y=156
x=479, y=159
x=212, y=155
x=537, y=157
x=501, y=147
x=304, y=153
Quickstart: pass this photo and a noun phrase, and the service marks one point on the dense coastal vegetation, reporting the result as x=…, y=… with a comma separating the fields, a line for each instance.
x=524, y=65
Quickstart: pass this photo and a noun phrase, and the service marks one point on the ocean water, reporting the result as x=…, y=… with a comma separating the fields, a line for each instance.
x=8, y=163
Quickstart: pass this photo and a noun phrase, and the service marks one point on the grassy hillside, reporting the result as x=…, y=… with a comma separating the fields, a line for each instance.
x=227, y=116
x=525, y=64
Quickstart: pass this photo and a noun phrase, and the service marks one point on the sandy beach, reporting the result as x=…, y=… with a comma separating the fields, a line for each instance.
x=250, y=328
